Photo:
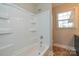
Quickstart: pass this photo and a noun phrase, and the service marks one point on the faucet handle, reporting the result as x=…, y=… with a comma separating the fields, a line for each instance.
x=41, y=37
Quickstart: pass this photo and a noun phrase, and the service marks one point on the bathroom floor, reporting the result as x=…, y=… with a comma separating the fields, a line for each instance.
x=62, y=52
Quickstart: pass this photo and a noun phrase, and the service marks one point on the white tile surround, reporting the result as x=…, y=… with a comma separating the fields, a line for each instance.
x=21, y=33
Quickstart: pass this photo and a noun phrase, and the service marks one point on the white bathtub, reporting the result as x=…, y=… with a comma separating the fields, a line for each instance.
x=34, y=50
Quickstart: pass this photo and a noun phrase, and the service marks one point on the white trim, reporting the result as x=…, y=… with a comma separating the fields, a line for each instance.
x=51, y=28
x=46, y=51
x=65, y=46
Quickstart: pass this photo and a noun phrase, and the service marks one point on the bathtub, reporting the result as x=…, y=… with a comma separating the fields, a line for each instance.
x=34, y=50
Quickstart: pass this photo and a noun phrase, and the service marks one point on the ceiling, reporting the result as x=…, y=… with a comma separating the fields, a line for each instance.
x=56, y=4
x=34, y=7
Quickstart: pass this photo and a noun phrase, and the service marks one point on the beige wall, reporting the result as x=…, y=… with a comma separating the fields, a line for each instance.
x=65, y=36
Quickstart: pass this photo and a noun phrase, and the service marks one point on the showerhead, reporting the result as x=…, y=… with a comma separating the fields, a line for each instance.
x=39, y=10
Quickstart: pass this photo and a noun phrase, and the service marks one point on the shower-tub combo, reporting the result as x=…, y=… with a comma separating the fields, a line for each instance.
x=23, y=33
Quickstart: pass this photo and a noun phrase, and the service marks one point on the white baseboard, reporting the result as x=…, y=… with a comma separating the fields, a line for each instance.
x=64, y=46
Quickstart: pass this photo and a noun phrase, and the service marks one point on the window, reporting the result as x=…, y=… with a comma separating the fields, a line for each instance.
x=65, y=19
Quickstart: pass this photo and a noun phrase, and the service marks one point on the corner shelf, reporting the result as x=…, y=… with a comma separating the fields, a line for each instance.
x=3, y=26
x=33, y=23
x=4, y=18
x=33, y=30
x=4, y=31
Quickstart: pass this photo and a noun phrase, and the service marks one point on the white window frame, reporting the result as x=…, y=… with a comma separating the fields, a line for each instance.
x=73, y=11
